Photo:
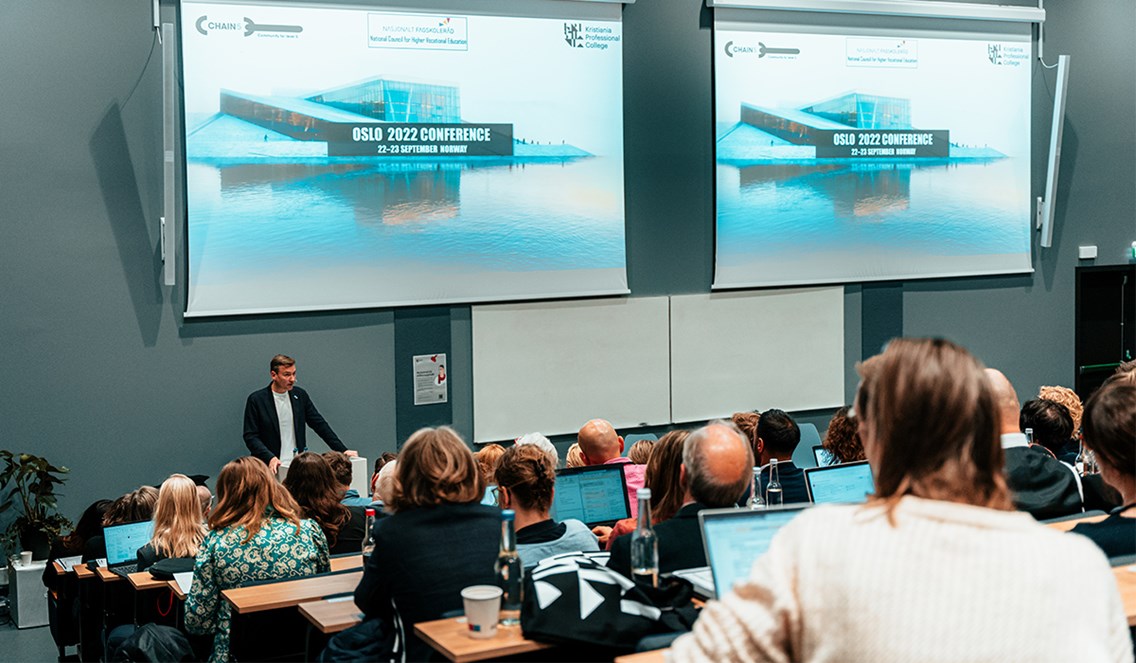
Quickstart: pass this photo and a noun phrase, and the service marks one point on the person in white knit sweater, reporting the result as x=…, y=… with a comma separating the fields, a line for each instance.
x=937, y=566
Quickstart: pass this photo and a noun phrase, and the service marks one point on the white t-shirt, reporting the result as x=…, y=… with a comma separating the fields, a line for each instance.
x=287, y=432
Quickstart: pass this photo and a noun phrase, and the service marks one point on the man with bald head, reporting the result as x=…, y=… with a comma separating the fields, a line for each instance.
x=601, y=445
x=715, y=472
x=1040, y=484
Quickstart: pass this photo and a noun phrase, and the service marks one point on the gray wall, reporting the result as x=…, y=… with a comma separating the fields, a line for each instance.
x=104, y=376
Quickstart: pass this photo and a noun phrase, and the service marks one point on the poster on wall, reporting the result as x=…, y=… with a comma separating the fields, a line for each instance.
x=858, y=155
x=360, y=156
x=431, y=385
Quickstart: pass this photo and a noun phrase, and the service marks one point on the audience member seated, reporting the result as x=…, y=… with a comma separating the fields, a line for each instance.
x=842, y=441
x=382, y=460
x=90, y=525
x=314, y=487
x=178, y=524
x=206, y=499
x=1067, y=397
x=747, y=424
x=938, y=565
x=600, y=445
x=439, y=540
x=664, y=469
x=526, y=479
x=640, y=452
x=574, y=457
x=777, y=437
x=1126, y=372
x=387, y=487
x=542, y=443
x=716, y=468
x=340, y=465
x=135, y=506
x=487, y=459
x=256, y=533
x=1052, y=427
x=1110, y=433
x=1039, y=483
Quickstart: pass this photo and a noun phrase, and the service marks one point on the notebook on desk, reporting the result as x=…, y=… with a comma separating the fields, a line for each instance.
x=595, y=495
x=846, y=483
x=123, y=542
x=735, y=538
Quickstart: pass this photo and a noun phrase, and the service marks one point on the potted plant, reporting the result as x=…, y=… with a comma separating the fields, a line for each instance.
x=31, y=481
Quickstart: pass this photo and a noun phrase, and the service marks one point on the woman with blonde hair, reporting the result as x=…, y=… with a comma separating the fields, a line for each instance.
x=179, y=526
x=937, y=564
x=439, y=540
x=574, y=457
x=256, y=533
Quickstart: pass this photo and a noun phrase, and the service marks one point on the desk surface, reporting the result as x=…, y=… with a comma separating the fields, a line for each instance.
x=1126, y=582
x=656, y=656
x=1066, y=525
x=289, y=593
x=332, y=616
x=82, y=572
x=143, y=581
x=106, y=575
x=345, y=563
x=450, y=638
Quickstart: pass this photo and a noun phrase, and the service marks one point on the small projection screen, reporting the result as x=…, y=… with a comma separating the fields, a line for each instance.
x=852, y=148
x=342, y=156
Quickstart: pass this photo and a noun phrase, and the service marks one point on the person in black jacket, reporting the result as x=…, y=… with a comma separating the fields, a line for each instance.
x=277, y=417
x=1110, y=432
x=439, y=540
x=715, y=472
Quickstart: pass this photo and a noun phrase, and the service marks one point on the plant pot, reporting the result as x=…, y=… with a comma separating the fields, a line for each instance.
x=36, y=541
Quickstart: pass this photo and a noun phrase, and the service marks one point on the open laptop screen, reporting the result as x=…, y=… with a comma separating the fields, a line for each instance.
x=123, y=541
x=735, y=538
x=596, y=495
x=847, y=483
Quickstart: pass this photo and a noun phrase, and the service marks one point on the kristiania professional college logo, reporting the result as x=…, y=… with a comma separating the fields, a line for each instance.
x=246, y=25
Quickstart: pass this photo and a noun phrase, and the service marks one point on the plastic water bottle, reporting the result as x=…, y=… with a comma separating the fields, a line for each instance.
x=369, y=539
x=773, y=494
x=755, y=502
x=510, y=572
x=1029, y=436
x=645, y=544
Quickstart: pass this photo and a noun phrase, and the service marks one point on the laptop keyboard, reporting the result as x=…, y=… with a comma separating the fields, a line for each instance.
x=125, y=569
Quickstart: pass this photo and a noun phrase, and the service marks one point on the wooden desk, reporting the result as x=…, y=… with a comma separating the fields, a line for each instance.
x=106, y=575
x=82, y=572
x=332, y=616
x=1066, y=525
x=176, y=589
x=656, y=656
x=289, y=593
x=142, y=581
x=450, y=638
x=346, y=563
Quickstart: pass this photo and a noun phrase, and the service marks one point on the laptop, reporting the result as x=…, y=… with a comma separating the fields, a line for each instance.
x=595, y=495
x=846, y=483
x=733, y=539
x=123, y=542
x=822, y=456
x=490, y=496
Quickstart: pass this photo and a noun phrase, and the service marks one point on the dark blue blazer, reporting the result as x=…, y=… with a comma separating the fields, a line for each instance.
x=262, y=427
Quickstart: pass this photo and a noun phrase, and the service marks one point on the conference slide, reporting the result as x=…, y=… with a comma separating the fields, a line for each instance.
x=348, y=157
x=870, y=155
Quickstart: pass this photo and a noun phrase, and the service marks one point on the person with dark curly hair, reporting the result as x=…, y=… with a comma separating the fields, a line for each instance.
x=526, y=481
x=312, y=484
x=842, y=441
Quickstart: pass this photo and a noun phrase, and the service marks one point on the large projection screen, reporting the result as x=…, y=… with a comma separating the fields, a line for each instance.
x=849, y=152
x=349, y=156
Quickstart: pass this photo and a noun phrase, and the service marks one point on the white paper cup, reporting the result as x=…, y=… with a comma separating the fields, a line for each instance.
x=482, y=605
x=26, y=558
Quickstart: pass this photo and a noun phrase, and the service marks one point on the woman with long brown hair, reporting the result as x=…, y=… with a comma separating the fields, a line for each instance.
x=937, y=565
x=256, y=533
x=312, y=484
x=663, y=468
x=179, y=526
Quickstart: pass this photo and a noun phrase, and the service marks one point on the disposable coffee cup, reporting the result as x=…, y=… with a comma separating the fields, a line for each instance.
x=26, y=558
x=482, y=605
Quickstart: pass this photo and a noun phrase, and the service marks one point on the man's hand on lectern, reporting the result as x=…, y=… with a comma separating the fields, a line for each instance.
x=350, y=453
x=273, y=466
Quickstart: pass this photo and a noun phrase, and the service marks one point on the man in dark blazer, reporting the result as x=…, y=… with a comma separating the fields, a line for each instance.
x=283, y=401
x=716, y=470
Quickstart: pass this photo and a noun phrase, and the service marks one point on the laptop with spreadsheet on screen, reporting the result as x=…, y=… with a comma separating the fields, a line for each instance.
x=846, y=483
x=735, y=538
x=595, y=495
x=123, y=542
